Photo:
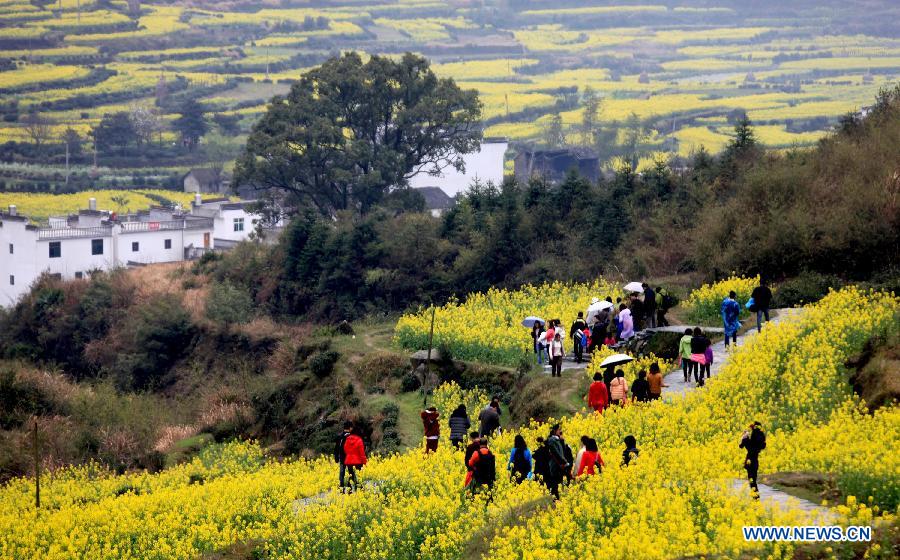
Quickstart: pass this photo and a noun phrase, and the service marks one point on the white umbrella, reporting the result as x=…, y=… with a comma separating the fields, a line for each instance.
x=531, y=320
x=597, y=307
x=634, y=287
x=616, y=359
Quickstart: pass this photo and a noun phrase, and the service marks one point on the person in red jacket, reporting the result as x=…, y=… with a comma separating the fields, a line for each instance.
x=432, y=428
x=354, y=456
x=598, y=396
x=591, y=462
x=484, y=469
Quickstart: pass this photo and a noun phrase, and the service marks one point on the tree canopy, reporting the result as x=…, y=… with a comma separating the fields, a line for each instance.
x=351, y=131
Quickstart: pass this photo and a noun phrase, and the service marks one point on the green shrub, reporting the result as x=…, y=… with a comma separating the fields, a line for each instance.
x=322, y=364
x=806, y=288
x=228, y=304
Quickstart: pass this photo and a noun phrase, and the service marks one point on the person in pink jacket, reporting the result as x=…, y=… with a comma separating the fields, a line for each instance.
x=627, y=322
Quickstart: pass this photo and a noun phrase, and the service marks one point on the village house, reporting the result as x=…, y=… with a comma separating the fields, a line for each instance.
x=75, y=246
x=436, y=200
x=203, y=180
x=485, y=165
x=553, y=165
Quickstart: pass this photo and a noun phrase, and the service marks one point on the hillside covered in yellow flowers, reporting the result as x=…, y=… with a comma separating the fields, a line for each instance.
x=677, y=500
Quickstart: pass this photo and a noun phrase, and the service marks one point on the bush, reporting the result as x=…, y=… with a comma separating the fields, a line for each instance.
x=808, y=287
x=322, y=364
x=227, y=304
x=410, y=383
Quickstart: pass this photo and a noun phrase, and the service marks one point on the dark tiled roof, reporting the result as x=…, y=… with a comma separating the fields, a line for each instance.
x=435, y=198
x=203, y=175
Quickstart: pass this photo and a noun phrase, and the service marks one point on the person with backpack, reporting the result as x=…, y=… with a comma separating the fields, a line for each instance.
x=655, y=382
x=354, y=456
x=598, y=394
x=432, y=428
x=699, y=344
x=489, y=418
x=731, y=312
x=471, y=449
x=599, y=331
x=753, y=440
x=578, y=327
x=484, y=468
x=762, y=300
x=618, y=389
x=459, y=424
x=684, y=354
x=649, y=305
x=708, y=354
x=664, y=302
x=519, y=463
x=640, y=389
x=558, y=466
x=631, y=451
x=638, y=311
x=556, y=355
x=339, y=456
x=591, y=462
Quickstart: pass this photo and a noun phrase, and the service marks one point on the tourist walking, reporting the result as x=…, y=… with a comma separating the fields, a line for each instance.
x=655, y=382
x=339, y=455
x=556, y=356
x=631, y=451
x=578, y=327
x=762, y=300
x=519, y=464
x=558, y=466
x=598, y=394
x=471, y=449
x=627, y=322
x=753, y=440
x=484, y=469
x=354, y=457
x=459, y=424
x=684, y=354
x=640, y=389
x=731, y=312
x=618, y=389
x=431, y=427
x=649, y=305
x=664, y=302
x=708, y=354
x=536, y=331
x=636, y=307
x=699, y=344
x=489, y=419
x=590, y=461
x=541, y=460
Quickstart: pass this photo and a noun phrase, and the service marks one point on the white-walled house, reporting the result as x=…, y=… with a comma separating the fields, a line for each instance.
x=233, y=222
x=75, y=246
x=485, y=165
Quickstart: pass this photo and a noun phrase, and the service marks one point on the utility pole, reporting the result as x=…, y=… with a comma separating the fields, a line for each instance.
x=67, y=161
x=37, y=467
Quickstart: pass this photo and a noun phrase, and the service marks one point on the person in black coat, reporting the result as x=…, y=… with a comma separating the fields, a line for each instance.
x=577, y=325
x=754, y=441
x=339, y=454
x=640, y=389
x=762, y=300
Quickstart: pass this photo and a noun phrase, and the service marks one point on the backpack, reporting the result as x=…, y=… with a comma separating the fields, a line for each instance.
x=521, y=465
x=485, y=468
x=541, y=458
x=669, y=301
x=339, y=448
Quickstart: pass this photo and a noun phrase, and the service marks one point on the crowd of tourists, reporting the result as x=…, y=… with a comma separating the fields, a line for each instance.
x=552, y=461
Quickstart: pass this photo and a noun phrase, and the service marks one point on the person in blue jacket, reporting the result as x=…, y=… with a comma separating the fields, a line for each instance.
x=519, y=464
x=731, y=311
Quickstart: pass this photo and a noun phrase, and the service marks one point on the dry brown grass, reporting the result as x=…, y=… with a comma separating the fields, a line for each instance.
x=169, y=278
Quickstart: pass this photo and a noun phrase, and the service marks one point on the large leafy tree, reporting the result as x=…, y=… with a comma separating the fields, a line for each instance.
x=351, y=131
x=191, y=124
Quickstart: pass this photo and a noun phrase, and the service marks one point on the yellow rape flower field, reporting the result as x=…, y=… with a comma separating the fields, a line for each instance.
x=40, y=206
x=677, y=499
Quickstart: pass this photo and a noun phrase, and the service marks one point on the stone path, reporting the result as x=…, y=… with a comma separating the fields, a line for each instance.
x=773, y=498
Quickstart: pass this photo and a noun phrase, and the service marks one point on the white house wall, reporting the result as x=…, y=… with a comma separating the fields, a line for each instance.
x=20, y=265
x=485, y=165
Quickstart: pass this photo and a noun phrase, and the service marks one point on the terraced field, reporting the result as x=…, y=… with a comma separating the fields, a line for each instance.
x=681, y=69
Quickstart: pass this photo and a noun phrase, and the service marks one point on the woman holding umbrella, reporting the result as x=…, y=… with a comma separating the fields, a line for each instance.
x=537, y=329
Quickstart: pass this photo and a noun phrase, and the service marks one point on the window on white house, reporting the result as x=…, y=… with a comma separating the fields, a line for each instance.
x=55, y=249
x=11, y=249
x=239, y=224
x=168, y=243
x=96, y=246
x=79, y=275
x=135, y=246
x=12, y=280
